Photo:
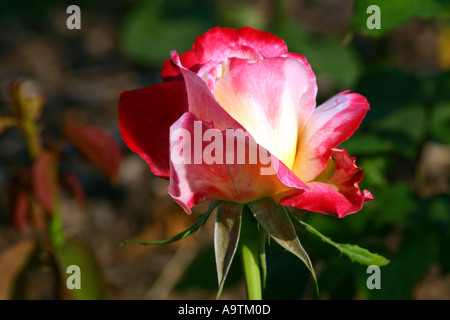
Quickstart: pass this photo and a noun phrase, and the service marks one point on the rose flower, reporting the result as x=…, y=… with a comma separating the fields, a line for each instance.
x=243, y=85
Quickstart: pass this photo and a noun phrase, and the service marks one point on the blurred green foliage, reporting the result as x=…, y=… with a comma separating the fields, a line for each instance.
x=91, y=279
x=396, y=13
x=409, y=109
x=153, y=28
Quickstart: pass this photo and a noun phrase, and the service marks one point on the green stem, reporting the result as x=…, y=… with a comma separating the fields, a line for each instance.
x=249, y=249
x=34, y=145
x=31, y=137
x=56, y=231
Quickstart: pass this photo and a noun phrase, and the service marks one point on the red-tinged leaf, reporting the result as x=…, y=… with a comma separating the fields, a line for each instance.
x=18, y=198
x=12, y=262
x=21, y=210
x=70, y=183
x=44, y=180
x=97, y=145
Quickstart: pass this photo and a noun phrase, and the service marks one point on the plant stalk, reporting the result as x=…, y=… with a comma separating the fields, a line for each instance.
x=249, y=250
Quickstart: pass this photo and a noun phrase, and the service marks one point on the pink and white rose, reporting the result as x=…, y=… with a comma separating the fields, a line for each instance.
x=245, y=83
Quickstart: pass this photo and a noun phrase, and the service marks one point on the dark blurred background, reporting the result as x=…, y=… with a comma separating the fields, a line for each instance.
x=403, y=143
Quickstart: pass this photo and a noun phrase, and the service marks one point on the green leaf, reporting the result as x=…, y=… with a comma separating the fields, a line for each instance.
x=183, y=234
x=226, y=238
x=97, y=145
x=354, y=252
x=361, y=255
x=275, y=220
x=72, y=253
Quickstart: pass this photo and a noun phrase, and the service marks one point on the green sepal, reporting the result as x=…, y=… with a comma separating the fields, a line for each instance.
x=276, y=222
x=226, y=238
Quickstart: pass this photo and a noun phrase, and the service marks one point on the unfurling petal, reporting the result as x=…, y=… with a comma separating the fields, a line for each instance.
x=219, y=44
x=202, y=103
x=335, y=191
x=330, y=124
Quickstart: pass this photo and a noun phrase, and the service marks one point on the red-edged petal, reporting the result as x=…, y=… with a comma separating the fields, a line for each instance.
x=271, y=99
x=335, y=191
x=145, y=117
x=202, y=103
x=220, y=43
x=194, y=178
x=309, y=97
x=330, y=124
